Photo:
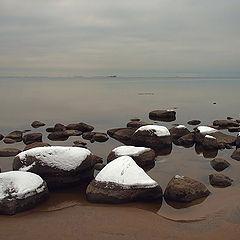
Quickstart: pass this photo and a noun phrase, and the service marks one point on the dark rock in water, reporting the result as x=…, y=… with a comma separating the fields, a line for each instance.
x=26, y=130
x=59, y=127
x=224, y=139
x=20, y=191
x=83, y=127
x=209, y=142
x=1, y=137
x=194, y=122
x=9, y=140
x=36, y=144
x=219, y=164
x=80, y=142
x=238, y=141
x=207, y=153
x=121, y=134
x=135, y=119
x=163, y=151
x=229, y=118
x=137, y=124
x=220, y=180
x=225, y=123
x=37, y=124
x=72, y=133
x=234, y=129
x=163, y=115
x=58, y=136
x=141, y=155
x=95, y=136
x=58, y=166
x=236, y=154
x=116, y=183
x=15, y=135
x=99, y=166
x=187, y=140
x=9, y=152
x=179, y=131
x=50, y=129
x=152, y=136
x=185, y=189
x=32, y=137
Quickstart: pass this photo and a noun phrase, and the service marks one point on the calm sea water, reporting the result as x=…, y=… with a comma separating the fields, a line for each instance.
x=110, y=103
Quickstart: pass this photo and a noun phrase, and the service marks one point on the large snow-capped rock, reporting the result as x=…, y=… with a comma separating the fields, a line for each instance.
x=152, y=136
x=185, y=189
x=122, y=180
x=58, y=166
x=20, y=191
x=141, y=155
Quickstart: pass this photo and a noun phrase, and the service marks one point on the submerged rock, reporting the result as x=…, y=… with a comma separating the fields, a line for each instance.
x=58, y=166
x=15, y=135
x=20, y=191
x=163, y=115
x=220, y=180
x=9, y=152
x=185, y=189
x=37, y=124
x=32, y=137
x=219, y=164
x=141, y=155
x=152, y=136
x=121, y=181
x=194, y=122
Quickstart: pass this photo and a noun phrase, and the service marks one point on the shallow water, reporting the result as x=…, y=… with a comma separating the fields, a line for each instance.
x=110, y=103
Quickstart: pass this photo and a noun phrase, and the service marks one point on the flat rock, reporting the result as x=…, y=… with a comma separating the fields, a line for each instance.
x=83, y=127
x=220, y=180
x=15, y=135
x=137, y=124
x=194, y=122
x=37, y=124
x=135, y=119
x=9, y=140
x=163, y=115
x=32, y=137
x=9, y=152
x=36, y=144
x=20, y=191
x=234, y=129
x=152, y=136
x=121, y=181
x=185, y=189
x=225, y=123
x=219, y=164
x=121, y=134
x=141, y=155
x=236, y=154
x=58, y=166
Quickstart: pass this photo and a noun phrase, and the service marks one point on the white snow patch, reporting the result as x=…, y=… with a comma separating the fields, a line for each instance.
x=179, y=177
x=159, y=131
x=64, y=158
x=209, y=136
x=205, y=129
x=180, y=126
x=124, y=171
x=19, y=184
x=170, y=110
x=130, y=150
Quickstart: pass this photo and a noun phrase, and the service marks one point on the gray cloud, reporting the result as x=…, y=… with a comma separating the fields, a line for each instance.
x=129, y=37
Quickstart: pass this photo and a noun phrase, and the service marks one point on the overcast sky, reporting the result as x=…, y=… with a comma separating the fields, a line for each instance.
x=127, y=37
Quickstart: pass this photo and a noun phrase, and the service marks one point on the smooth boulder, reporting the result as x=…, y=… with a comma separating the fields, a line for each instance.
x=20, y=191
x=121, y=181
x=32, y=137
x=194, y=122
x=185, y=189
x=220, y=180
x=9, y=152
x=123, y=135
x=59, y=166
x=163, y=115
x=178, y=131
x=37, y=124
x=219, y=164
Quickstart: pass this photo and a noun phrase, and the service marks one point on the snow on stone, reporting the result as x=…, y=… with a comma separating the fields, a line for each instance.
x=64, y=158
x=179, y=177
x=180, y=126
x=209, y=136
x=124, y=171
x=159, y=131
x=205, y=129
x=19, y=184
x=130, y=151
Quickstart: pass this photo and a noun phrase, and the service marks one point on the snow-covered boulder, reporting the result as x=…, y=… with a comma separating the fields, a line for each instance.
x=141, y=155
x=122, y=180
x=185, y=189
x=152, y=136
x=20, y=191
x=58, y=166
